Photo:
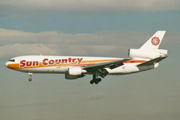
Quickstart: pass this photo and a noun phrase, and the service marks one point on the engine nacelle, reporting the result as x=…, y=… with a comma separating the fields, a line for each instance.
x=74, y=73
x=147, y=54
x=70, y=77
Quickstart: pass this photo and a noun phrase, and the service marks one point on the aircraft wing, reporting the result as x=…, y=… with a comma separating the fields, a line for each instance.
x=151, y=62
x=111, y=65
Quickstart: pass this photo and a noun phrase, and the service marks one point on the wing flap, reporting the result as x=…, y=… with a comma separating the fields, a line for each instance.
x=111, y=65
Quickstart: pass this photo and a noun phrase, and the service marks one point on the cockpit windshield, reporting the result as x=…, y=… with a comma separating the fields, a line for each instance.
x=12, y=60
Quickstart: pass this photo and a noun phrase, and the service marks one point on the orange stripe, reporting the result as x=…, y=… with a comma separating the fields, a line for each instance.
x=13, y=66
x=85, y=62
x=135, y=61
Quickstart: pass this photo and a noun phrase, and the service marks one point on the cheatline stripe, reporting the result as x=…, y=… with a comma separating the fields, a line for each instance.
x=85, y=62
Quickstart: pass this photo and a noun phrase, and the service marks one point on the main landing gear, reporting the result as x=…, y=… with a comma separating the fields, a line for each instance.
x=95, y=79
x=30, y=79
x=100, y=72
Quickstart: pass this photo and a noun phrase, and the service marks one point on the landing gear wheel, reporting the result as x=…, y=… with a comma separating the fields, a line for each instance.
x=92, y=81
x=99, y=80
x=30, y=79
x=96, y=81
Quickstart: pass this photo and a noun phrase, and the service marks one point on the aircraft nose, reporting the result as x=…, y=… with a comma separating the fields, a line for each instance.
x=6, y=64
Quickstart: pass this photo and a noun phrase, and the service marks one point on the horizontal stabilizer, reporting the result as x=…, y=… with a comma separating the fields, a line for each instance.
x=152, y=62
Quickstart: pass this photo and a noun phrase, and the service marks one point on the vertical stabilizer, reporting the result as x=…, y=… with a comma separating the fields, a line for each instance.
x=154, y=41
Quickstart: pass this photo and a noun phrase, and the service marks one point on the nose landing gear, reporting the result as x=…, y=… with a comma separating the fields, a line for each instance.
x=30, y=79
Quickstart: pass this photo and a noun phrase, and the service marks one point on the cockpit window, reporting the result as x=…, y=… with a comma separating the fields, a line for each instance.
x=12, y=60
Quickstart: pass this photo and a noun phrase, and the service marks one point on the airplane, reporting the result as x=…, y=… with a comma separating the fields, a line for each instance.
x=145, y=58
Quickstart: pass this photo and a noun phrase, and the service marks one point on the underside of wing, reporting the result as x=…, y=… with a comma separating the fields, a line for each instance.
x=100, y=67
x=110, y=65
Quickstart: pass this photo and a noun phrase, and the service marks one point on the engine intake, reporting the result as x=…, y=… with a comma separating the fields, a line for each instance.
x=74, y=73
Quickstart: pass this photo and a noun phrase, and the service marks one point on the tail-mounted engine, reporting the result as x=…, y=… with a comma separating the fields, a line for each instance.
x=147, y=54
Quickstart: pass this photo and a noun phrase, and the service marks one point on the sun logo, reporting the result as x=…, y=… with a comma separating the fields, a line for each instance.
x=155, y=41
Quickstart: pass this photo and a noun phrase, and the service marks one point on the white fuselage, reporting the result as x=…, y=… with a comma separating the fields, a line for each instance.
x=61, y=64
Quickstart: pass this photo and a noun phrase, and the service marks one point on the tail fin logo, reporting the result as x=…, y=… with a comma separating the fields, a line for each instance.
x=155, y=41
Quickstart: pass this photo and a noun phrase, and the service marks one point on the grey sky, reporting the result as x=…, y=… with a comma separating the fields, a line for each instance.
x=11, y=7
x=116, y=42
